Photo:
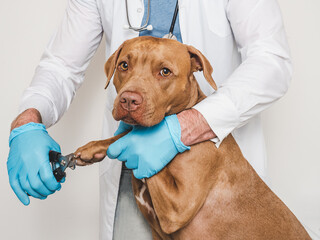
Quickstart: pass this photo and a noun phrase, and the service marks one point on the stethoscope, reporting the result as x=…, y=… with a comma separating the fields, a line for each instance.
x=148, y=27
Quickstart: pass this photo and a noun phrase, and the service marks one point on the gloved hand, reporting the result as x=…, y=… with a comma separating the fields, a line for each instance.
x=123, y=127
x=28, y=163
x=147, y=150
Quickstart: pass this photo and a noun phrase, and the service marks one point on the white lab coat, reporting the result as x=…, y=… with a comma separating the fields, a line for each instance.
x=244, y=40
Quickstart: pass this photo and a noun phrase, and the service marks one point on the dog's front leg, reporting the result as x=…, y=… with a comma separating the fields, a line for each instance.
x=180, y=189
x=94, y=151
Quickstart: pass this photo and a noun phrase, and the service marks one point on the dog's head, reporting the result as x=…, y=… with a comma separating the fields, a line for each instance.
x=154, y=78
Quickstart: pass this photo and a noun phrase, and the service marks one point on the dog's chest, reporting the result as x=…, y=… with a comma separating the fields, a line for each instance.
x=143, y=200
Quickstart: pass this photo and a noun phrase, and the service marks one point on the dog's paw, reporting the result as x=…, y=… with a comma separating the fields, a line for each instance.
x=90, y=153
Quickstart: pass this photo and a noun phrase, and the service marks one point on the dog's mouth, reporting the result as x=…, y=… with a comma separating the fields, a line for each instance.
x=145, y=116
x=131, y=117
x=129, y=120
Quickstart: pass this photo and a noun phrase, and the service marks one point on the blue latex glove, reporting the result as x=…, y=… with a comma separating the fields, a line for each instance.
x=123, y=127
x=28, y=163
x=147, y=150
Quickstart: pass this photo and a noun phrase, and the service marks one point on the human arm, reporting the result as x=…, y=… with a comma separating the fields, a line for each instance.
x=63, y=63
x=57, y=77
x=262, y=78
x=29, y=115
x=194, y=127
x=265, y=72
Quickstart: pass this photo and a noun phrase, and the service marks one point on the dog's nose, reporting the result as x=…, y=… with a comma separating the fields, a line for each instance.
x=130, y=101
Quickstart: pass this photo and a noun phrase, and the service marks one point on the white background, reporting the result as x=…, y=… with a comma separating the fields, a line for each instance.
x=291, y=126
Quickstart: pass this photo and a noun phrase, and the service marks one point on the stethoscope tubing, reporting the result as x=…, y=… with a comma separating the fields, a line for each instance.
x=149, y=27
x=142, y=28
x=173, y=22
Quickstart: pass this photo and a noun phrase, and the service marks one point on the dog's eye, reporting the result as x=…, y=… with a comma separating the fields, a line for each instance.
x=123, y=66
x=165, y=72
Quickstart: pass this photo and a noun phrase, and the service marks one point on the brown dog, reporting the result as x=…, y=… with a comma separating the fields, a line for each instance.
x=204, y=193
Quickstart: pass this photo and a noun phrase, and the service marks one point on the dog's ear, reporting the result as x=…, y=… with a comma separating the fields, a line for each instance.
x=110, y=65
x=200, y=63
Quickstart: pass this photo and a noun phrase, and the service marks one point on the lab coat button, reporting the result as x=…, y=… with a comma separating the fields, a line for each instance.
x=139, y=10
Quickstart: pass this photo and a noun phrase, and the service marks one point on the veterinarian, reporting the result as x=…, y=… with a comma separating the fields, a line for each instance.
x=246, y=44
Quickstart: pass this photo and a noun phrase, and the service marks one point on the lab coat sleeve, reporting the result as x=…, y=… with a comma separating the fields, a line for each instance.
x=63, y=63
x=265, y=71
